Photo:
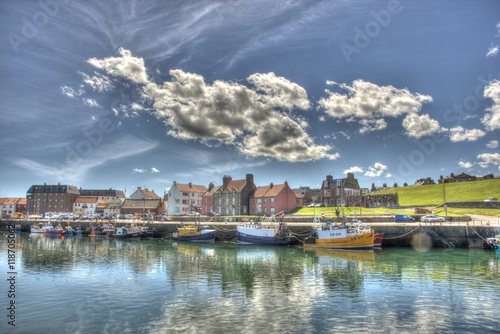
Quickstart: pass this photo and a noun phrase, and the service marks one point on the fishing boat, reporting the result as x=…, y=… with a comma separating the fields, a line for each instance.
x=266, y=233
x=54, y=231
x=494, y=242
x=40, y=228
x=377, y=239
x=194, y=233
x=126, y=233
x=339, y=236
x=102, y=231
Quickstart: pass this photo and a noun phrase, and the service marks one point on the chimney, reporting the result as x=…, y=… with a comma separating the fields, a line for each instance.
x=249, y=178
x=329, y=178
x=225, y=180
x=210, y=186
x=271, y=185
x=190, y=185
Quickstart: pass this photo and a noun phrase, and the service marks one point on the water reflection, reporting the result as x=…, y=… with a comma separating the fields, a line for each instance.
x=107, y=285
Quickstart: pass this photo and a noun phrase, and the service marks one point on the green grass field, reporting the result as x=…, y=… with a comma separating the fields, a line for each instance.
x=434, y=194
x=428, y=195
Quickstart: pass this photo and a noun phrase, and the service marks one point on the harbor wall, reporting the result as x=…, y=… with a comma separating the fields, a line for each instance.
x=426, y=235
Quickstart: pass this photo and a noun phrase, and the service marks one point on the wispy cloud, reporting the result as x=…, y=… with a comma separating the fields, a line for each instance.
x=75, y=167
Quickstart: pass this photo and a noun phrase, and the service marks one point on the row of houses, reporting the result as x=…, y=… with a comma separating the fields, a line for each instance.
x=231, y=198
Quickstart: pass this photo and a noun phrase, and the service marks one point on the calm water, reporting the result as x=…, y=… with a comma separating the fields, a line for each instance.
x=84, y=285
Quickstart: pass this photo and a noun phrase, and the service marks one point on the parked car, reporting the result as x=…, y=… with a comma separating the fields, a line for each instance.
x=162, y=217
x=432, y=218
x=211, y=214
x=403, y=218
x=491, y=199
x=192, y=213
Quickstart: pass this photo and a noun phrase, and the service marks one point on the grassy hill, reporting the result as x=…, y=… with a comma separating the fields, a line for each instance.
x=434, y=195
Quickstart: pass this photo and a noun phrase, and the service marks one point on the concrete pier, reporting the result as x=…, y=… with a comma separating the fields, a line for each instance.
x=460, y=234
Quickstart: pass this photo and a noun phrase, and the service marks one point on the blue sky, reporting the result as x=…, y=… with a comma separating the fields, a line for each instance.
x=120, y=94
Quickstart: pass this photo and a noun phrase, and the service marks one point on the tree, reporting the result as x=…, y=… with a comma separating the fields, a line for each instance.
x=395, y=185
x=405, y=184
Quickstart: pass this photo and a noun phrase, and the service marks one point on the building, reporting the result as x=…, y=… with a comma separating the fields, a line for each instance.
x=233, y=197
x=105, y=195
x=309, y=195
x=50, y=198
x=11, y=205
x=207, y=200
x=183, y=198
x=271, y=199
x=341, y=192
x=144, y=194
x=85, y=205
x=138, y=207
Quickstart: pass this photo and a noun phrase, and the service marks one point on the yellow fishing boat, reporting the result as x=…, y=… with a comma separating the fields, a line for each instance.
x=194, y=233
x=343, y=236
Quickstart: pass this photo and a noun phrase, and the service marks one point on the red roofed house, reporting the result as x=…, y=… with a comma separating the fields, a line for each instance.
x=207, y=200
x=233, y=197
x=183, y=198
x=274, y=198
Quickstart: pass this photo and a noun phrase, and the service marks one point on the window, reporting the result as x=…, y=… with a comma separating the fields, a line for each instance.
x=259, y=200
x=272, y=200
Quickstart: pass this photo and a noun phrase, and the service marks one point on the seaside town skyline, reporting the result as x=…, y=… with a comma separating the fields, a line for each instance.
x=145, y=93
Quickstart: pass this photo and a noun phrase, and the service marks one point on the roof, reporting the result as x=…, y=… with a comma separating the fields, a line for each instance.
x=191, y=188
x=269, y=191
x=86, y=199
x=212, y=191
x=150, y=194
x=22, y=201
x=10, y=201
x=102, y=192
x=141, y=204
x=236, y=185
x=2, y=200
x=51, y=189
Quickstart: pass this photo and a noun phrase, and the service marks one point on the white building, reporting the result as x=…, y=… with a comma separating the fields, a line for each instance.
x=85, y=205
x=183, y=198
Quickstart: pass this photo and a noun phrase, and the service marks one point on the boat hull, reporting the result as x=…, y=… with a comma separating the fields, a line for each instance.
x=246, y=238
x=209, y=236
x=360, y=241
x=377, y=239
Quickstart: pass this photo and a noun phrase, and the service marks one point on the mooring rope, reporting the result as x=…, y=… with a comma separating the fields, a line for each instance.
x=467, y=228
x=404, y=235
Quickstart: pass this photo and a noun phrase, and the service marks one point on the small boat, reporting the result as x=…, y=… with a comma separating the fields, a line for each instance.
x=194, y=233
x=494, y=242
x=126, y=233
x=54, y=231
x=40, y=228
x=102, y=231
x=270, y=233
x=68, y=230
x=377, y=239
x=340, y=236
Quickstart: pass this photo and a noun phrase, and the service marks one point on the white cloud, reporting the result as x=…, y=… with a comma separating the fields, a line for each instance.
x=138, y=170
x=70, y=92
x=487, y=159
x=492, y=51
x=492, y=144
x=419, y=126
x=491, y=119
x=376, y=170
x=98, y=82
x=126, y=66
x=458, y=134
x=254, y=120
x=465, y=164
x=154, y=170
x=369, y=125
x=91, y=103
x=370, y=103
x=354, y=169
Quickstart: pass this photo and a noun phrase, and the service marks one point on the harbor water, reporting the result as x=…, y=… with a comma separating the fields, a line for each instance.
x=88, y=285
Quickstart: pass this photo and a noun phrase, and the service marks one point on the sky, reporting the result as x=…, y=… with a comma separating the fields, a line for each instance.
x=127, y=94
